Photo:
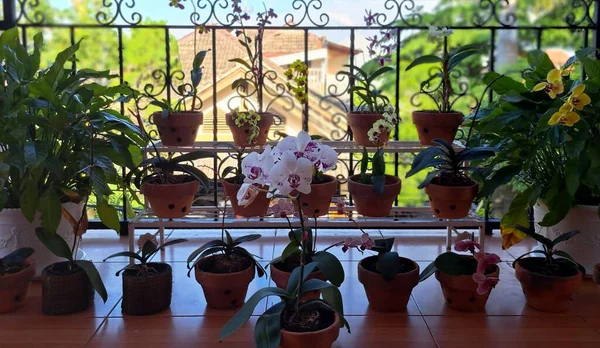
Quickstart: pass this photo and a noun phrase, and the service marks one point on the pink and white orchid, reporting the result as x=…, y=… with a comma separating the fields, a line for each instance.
x=366, y=242
x=301, y=146
x=291, y=174
x=484, y=260
x=283, y=208
x=328, y=159
x=247, y=194
x=256, y=167
x=467, y=245
x=484, y=284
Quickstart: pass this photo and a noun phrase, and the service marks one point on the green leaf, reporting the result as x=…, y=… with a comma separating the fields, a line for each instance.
x=427, y=272
x=426, y=59
x=430, y=176
x=459, y=57
x=314, y=285
x=247, y=309
x=246, y=239
x=267, y=331
x=199, y=59
x=50, y=207
x=364, y=162
x=59, y=62
x=108, y=215
x=148, y=249
x=128, y=254
x=387, y=263
x=520, y=204
x=572, y=176
x=205, y=253
x=424, y=160
x=378, y=182
x=455, y=264
x=55, y=243
x=540, y=61
x=591, y=67
x=94, y=277
x=242, y=62
x=29, y=198
x=564, y=237
x=558, y=209
x=379, y=72
x=211, y=244
x=290, y=249
x=565, y=255
x=228, y=239
x=538, y=237
x=16, y=257
x=503, y=84
x=295, y=276
x=171, y=242
x=333, y=297
x=9, y=36
x=330, y=266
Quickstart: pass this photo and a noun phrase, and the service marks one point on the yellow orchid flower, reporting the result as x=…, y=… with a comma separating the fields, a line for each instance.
x=578, y=99
x=567, y=71
x=553, y=84
x=510, y=236
x=565, y=116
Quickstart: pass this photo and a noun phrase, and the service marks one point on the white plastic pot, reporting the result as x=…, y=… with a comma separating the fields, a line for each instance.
x=584, y=247
x=16, y=232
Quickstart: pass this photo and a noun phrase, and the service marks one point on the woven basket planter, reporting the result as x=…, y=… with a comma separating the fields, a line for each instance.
x=65, y=291
x=145, y=294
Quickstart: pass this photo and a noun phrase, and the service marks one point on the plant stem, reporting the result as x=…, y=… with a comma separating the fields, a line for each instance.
x=302, y=255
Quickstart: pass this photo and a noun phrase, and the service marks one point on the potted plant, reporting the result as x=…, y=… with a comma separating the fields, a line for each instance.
x=374, y=193
x=169, y=184
x=224, y=269
x=250, y=127
x=450, y=189
x=17, y=269
x=248, y=181
x=443, y=122
x=147, y=286
x=466, y=280
x=45, y=174
x=547, y=135
x=371, y=107
x=549, y=280
x=178, y=126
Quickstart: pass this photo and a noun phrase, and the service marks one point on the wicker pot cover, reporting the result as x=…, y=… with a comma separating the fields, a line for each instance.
x=147, y=294
x=65, y=291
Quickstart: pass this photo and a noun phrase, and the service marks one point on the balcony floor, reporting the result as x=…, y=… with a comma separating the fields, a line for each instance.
x=507, y=321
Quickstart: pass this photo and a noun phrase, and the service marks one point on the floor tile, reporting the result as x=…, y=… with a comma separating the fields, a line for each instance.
x=513, y=331
x=385, y=331
x=64, y=331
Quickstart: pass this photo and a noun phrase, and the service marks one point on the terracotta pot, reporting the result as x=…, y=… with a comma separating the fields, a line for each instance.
x=360, y=123
x=240, y=135
x=317, y=202
x=317, y=339
x=388, y=296
x=546, y=293
x=460, y=292
x=14, y=288
x=179, y=129
x=436, y=125
x=170, y=201
x=257, y=208
x=147, y=294
x=368, y=202
x=281, y=279
x=451, y=202
x=65, y=292
x=223, y=290
x=596, y=274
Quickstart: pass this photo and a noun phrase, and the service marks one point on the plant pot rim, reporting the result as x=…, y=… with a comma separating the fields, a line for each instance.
x=185, y=112
x=272, y=265
x=262, y=113
x=401, y=257
x=517, y=263
x=168, y=269
x=12, y=276
x=496, y=269
x=223, y=275
x=396, y=179
x=332, y=179
x=452, y=112
x=454, y=187
x=364, y=113
x=145, y=182
x=336, y=322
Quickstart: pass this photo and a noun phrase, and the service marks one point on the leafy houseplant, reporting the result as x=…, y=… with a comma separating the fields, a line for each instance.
x=466, y=280
x=147, y=286
x=547, y=134
x=224, y=269
x=444, y=122
x=450, y=189
x=17, y=270
x=550, y=280
x=371, y=107
x=251, y=127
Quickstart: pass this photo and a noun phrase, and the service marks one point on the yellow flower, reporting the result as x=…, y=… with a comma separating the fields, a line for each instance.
x=565, y=116
x=510, y=236
x=567, y=71
x=553, y=85
x=578, y=99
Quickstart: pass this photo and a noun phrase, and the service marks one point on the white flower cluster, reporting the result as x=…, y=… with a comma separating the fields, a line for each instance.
x=436, y=33
x=384, y=127
x=287, y=167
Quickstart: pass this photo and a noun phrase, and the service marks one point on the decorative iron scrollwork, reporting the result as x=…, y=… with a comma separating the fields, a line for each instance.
x=105, y=18
x=303, y=5
x=571, y=18
x=409, y=18
x=494, y=9
x=210, y=7
x=32, y=18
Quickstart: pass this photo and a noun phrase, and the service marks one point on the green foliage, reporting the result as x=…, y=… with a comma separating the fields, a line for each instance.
x=377, y=165
x=548, y=244
x=149, y=249
x=371, y=99
x=267, y=332
x=226, y=247
x=12, y=262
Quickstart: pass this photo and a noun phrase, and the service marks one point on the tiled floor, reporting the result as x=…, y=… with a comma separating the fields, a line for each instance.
x=507, y=321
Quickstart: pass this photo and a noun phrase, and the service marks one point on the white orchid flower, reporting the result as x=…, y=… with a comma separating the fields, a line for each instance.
x=247, y=194
x=256, y=167
x=291, y=173
x=328, y=159
x=301, y=146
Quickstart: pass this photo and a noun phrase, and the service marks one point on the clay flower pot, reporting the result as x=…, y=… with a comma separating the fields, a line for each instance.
x=223, y=290
x=543, y=292
x=240, y=135
x=451, y=202
x=145, y=294
x=179, y=129
x=360, y=123
x=65, y=291
x=436, y=125
x=460, y=292
x=281, y=278
x=14, y=287
x=596, y=274
x=368, y=202
x=317, y=202
x=323, y=338
x=258, y=207
x=170, y=201
x=388, y=296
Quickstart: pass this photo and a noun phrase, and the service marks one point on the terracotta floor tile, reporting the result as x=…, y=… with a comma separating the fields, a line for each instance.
x=385, y=331
x=64, y=331
x=593, y=321
x=513, y=331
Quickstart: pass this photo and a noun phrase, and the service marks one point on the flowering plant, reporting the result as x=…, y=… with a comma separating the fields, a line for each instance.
x=548, y=139
x=297, y=75
x=438, y=86
x=479, y=264
x=380, y=47
x=248, y=118
x=382, y=129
